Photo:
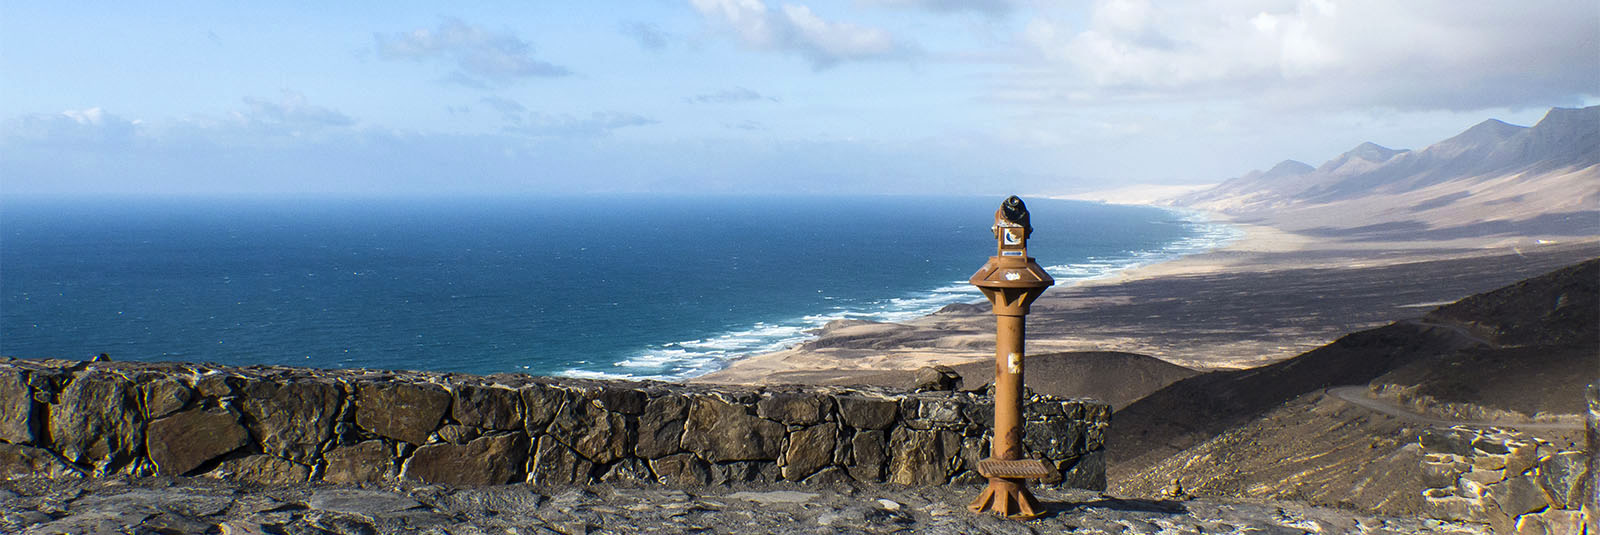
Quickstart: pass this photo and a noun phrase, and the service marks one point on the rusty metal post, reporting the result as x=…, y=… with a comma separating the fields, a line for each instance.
x=1011, y=280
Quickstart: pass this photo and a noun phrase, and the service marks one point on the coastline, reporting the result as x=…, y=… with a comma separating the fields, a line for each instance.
x=1268, y=295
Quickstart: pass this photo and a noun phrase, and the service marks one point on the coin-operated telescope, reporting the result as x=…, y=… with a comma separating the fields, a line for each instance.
x=1012, y=281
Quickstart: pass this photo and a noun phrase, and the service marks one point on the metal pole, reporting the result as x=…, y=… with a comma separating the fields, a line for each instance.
x=1011, y=280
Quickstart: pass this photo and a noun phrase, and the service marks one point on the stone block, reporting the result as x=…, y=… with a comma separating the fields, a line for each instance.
x=1454, y=441
x=870, y=449
x=490, y=460
x=401, y=411
x=1085, y=472
x=829, y=476
x=362, y=462
x=621, y=399
x=180, y=443
x=487, y=407
x=920, y=457
x=744, y=472
x=216, y=384
x=19, y=422
x=1441, y=470
x=863, y=412
x=457, y=433
x=556, y=464
x=1517, y=495
x=1489, y=445
x=1489, y=462
x=1524, y=455
x=262, y=470
x=936, y=378
x=96, y=421
x=1551, y=521
x=810, y=450
x=1484, y=477
x=628, y=470
x=1055, y=438
x=937, y=413
x=661, y=426
x=291, y=419
x=721, y=432
x=681, y=470
x=18, y=462
x=1561, y=476
x=1443, y=504
x=165, y=396
x=599, y=435
x=540, y=403
x=795, y=409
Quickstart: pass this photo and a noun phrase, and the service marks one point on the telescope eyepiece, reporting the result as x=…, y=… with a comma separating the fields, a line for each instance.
x=1014, y=210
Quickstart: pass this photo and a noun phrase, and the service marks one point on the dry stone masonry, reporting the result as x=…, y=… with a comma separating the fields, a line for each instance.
x=282, y=425
x=1513, y=482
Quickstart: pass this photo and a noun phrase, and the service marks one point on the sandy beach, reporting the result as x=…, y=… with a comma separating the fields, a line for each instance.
x=1268, y=296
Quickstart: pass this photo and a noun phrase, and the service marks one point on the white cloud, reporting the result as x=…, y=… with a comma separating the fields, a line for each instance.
x=291, y=111
x=987, y=7
x=649, y=36
x=479, y=56
x=596, y=124
x=90, y=129
x=795, y=28
x=729, y=96
x=1431, y=54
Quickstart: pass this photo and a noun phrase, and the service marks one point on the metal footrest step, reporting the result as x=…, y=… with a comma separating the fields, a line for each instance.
x=1017, y=469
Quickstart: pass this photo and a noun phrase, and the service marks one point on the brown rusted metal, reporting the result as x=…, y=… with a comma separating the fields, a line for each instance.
x=1011, y=280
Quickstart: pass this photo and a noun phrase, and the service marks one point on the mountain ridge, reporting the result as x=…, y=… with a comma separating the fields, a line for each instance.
x=1542, y=180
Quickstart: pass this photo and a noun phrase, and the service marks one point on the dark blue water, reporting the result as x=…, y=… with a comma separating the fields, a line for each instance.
x=616, y=286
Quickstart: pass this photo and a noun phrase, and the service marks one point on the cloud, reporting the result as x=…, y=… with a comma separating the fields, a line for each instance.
x=511, y=110
x=729, y=96
x=91, y=128
x=291, y=111
x=480, y=57
x=598, y=124
x=987, y=7
x=649, y=36
x=796, y=29
x=1423, y=55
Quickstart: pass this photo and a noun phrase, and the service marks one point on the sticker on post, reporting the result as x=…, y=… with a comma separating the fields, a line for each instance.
x=1010, y=253
x=1011, y=237
x=1014, y=363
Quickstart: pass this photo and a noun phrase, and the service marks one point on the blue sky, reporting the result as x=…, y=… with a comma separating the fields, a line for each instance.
x=752, y=96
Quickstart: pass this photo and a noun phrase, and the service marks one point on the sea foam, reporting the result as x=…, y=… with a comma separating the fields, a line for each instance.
x=692, y=358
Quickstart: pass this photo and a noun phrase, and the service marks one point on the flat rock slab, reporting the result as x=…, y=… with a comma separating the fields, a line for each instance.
x=182, y=500
x=776, y=496
x=367, y=503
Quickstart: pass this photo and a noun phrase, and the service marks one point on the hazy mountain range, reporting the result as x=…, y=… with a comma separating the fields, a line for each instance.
x=1492, y=179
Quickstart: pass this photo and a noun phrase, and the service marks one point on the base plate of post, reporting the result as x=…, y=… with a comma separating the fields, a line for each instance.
x=1008, y=498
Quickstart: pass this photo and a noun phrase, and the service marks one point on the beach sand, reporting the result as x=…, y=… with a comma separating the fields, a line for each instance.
x=1268, y=296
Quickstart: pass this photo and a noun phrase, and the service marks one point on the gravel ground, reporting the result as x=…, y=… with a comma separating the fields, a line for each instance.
x=196, y=505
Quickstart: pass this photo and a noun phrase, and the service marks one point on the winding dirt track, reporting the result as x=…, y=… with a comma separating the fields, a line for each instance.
x=1357, y=394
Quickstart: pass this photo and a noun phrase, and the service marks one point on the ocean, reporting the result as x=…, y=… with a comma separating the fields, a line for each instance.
x=655, y=287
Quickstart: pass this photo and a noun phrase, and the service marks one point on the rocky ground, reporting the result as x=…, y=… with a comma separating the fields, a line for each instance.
x=202, y=505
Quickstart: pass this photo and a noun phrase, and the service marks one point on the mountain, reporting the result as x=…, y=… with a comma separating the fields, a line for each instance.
x=1492, y=180
x=1510, y=355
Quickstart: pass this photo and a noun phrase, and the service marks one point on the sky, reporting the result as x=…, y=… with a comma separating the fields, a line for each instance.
x=752, y=96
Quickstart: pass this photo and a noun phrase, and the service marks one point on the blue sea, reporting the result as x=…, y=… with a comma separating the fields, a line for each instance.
x=614, y=286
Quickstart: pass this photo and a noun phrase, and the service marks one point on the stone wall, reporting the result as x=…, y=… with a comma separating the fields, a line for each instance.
x=1513, y=482
x=280, y=425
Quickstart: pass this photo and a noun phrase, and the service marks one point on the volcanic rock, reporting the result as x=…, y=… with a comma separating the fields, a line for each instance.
x=183, y=441
x=401, y=411
x=719, y=432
